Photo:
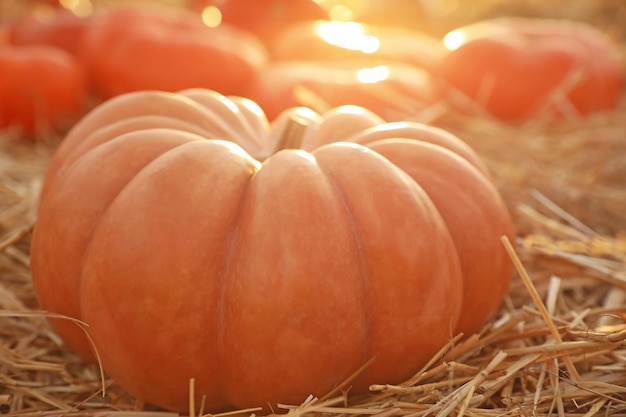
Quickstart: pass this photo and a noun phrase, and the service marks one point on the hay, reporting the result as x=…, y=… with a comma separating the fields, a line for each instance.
x=556, y=347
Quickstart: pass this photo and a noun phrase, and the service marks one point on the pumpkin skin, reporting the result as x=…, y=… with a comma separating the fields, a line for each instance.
x=62, y=29
x=266, y=282
x=42, y=88
x=132, y=49
x=513, y=66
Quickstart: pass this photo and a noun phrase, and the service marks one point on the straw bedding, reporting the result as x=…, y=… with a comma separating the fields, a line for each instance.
x=556, y=347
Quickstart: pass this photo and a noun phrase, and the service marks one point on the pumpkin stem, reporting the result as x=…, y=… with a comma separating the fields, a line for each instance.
x=294, y=133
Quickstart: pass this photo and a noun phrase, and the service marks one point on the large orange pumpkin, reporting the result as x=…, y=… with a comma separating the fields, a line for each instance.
x=196, y=241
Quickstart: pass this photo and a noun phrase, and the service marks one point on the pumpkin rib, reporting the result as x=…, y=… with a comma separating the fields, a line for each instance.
x=274, y=285
x=403, y=253
x=229, y=116
x=130, y=137
x=154, y=103
x=367, y=312
x=486, y=266
x=225, y=287
x=255, y=117
x=70, y=216
x=177, y=252
x=344, y=122
x=421, y=133
x=132, y=124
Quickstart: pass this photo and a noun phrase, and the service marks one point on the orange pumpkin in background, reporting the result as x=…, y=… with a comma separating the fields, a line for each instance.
x=268, y=261
x=42, y=89
x=62, y=29
x=516, y=68
x=131, y=49
x=394, y=91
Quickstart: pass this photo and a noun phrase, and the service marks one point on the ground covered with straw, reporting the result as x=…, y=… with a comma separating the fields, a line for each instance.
x=556, y=347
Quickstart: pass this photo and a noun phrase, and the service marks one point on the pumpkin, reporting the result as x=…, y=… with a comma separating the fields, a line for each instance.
x=62, y=29
x=515, y=68
x=131, y=49
x=42, y=88
x=268, y=261
x=392, y=90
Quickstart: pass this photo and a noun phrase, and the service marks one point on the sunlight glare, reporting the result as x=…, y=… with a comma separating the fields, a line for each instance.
x=373, y=75
x=78, y=7
x=454, y=40
x=211, y=16
x=341, y=12
x=304, y=114
x=347, y=35
x=352, y=109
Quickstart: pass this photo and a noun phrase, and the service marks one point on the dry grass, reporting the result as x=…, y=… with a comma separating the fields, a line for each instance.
x=556, y=347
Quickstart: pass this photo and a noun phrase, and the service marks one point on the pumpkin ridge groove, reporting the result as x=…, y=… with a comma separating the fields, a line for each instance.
x=74, y=222
x=366, y=355
x=104, y=211
x=223, y=282
x=109, y=133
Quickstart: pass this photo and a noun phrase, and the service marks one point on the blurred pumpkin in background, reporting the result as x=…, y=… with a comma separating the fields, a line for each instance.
x=43, y=89
x=131, y=49
x=62, y=29
x=516, y=68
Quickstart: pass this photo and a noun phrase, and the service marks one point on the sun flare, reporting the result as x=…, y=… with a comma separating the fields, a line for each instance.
x=454, y=40
x=347, y=35
x=211, y=16
x=373, y=75
x=78, y=7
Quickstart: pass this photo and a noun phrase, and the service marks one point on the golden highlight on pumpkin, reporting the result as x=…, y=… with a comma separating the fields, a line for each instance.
x=454, y=39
